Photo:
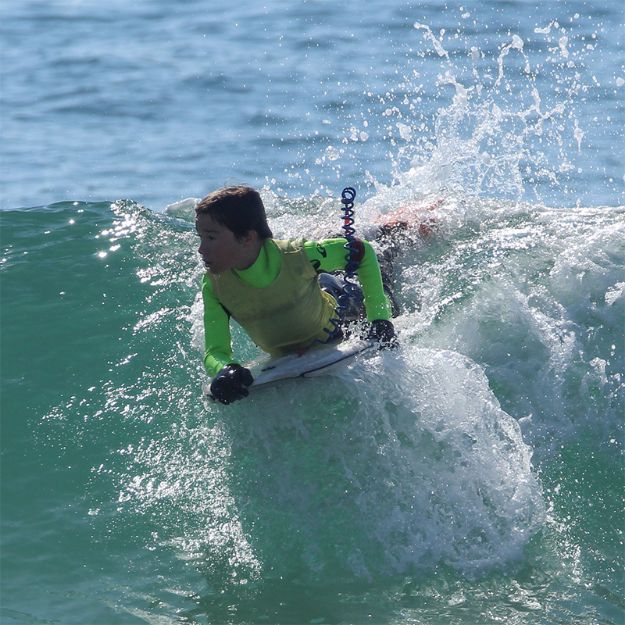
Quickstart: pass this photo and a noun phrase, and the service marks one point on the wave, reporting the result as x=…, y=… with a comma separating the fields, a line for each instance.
x=405, y=461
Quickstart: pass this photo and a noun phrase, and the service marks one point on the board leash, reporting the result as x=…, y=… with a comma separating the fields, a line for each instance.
x=351, y=264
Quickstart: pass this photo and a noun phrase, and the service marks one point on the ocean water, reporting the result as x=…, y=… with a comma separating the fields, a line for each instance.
x=473, y=476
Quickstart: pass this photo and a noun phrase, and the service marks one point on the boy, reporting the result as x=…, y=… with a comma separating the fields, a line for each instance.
x=271, y=287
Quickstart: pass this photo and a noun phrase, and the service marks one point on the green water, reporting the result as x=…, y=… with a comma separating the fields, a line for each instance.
x=475, y=476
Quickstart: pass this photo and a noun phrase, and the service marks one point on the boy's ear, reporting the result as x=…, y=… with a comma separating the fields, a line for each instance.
x=251, y=236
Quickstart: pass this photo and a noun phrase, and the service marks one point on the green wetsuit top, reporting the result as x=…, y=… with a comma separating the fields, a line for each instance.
x=325, y=256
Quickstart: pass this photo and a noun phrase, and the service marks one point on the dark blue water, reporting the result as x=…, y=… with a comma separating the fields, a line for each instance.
x=475, y=475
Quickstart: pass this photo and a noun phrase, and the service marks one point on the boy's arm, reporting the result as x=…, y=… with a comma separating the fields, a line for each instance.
x=217, y=338
x=331, y=255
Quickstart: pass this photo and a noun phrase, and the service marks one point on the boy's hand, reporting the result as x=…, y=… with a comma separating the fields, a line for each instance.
x=231, y=383
x=383, y=332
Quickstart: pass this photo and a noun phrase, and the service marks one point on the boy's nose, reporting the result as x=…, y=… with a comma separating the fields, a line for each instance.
x=202, y=250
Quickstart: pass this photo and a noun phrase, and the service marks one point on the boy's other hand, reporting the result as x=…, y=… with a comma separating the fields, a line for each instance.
x=383, y=332
x=231, y=383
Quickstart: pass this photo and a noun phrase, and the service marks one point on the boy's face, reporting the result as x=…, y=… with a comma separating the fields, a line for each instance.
x=220, y=249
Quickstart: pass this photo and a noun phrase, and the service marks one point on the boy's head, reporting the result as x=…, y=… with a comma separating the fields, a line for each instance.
x=239, y=208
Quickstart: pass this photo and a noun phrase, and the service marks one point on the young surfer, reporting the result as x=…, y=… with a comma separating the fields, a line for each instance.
x=273, y=288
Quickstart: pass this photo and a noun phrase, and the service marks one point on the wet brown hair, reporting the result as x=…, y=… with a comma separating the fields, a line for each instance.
x=239, y=208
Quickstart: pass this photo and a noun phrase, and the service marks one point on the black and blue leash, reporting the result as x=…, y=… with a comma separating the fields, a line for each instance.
x=352, y=262
x=352, y=257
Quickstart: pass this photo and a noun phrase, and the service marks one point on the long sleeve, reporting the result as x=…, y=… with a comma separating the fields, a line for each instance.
x=217, y=338
x=330, y=255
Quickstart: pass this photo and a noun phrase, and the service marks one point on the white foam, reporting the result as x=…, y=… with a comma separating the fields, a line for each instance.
x=409, y=459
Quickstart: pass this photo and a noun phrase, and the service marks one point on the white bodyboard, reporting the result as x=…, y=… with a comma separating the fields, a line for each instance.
x=311, y=363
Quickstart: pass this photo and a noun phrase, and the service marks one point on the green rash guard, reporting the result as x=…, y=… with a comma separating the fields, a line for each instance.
x=325, y=256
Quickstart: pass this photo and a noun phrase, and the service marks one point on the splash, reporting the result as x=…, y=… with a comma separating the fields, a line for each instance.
x=386, y=475
x=501, y=130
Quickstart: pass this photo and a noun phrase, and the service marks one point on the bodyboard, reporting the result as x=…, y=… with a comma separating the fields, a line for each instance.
x=310, y=363
x=313, y=362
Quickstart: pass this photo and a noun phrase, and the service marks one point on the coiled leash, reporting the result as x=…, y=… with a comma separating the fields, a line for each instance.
x=381, y=330
x=350, y=290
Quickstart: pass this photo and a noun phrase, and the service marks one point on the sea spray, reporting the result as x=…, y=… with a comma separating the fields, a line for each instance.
x=534, y=295
x=498, y=130
x=403, y=462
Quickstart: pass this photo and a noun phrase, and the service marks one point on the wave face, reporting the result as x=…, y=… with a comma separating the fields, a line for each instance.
x=477, y=458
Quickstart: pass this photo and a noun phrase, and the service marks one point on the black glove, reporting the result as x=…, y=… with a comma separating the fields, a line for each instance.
x=383, y=332
x=231, y=384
